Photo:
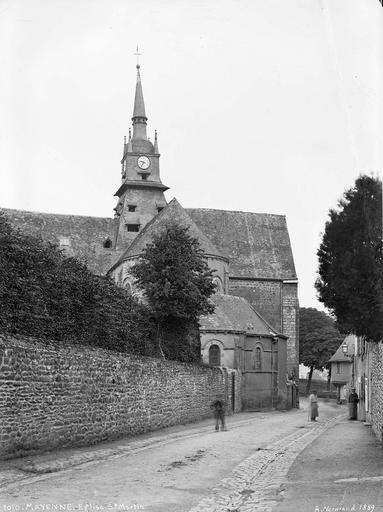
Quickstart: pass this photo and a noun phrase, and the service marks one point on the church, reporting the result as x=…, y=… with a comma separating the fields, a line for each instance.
x=254, y=329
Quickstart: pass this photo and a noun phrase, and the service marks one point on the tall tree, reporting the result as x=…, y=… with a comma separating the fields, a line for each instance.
x=177, y=282
x=318, y=340
x=350, y=282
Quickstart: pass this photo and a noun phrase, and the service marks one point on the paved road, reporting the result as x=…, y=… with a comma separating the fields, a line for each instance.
x=341, y=471
x=182, y=469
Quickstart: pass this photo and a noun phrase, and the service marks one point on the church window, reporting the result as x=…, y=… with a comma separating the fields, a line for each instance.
x=214, y=355
x=132, y=207
x=218, y=285
x=257, y=359
x=107, y=243
x=133, y=228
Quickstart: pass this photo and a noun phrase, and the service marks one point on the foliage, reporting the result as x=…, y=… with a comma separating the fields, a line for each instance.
x=46, y=295
x=350, y=279
x=177, y=283
x=318, y=339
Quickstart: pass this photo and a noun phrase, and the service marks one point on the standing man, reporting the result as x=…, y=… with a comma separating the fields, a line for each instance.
x=353, y=400
x=219, y=409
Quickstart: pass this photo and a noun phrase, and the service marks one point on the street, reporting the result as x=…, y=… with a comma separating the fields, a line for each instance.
x=184, y=468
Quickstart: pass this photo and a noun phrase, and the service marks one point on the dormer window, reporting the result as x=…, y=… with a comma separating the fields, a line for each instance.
x=132, y=207
x=133, y=228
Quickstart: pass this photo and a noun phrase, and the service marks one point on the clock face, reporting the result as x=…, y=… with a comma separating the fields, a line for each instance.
x=143, y=162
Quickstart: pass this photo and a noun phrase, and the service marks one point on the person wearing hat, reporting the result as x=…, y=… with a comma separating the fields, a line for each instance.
x=353, y=400
x=219, y=408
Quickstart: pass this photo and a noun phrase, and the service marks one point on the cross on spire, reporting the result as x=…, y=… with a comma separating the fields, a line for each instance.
x=138, y=58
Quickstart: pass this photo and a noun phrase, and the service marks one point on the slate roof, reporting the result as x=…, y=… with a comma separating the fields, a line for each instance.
x=85, y=234
x=173, y=212
x=236, y=314
x=339, y=356
x=257, y=244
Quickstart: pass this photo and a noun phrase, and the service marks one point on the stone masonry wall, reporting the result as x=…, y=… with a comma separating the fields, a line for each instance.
x=277, y=302
x=377, y=388
x=264, y=296
x=55, y=395
x=290, y=325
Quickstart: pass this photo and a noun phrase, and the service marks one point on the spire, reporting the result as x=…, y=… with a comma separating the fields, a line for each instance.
x=139, y=106
x=139, y=116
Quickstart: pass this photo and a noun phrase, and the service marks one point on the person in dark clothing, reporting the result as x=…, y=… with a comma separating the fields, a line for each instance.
x=353, y=400
x=219, y=409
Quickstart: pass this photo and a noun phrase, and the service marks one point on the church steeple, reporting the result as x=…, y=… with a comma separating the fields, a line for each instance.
x=139, y=116
x=141, y=193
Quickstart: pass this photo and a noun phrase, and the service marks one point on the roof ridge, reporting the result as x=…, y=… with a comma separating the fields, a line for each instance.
x=236, y=211
x=5, y=210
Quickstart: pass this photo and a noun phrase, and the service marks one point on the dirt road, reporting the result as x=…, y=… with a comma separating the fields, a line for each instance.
x=175, y=470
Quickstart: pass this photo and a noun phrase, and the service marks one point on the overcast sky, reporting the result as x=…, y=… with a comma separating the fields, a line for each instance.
x=269, y=106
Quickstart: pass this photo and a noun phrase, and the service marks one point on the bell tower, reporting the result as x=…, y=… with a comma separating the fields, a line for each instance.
x=141, y=193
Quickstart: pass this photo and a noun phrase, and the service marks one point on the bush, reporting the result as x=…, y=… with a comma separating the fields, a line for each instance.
x=46, y=295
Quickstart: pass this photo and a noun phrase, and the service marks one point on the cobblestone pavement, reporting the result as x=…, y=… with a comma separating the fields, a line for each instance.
x=257, y=482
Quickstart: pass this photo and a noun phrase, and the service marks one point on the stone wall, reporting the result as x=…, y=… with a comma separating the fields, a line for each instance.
x=376, y=360
x=277, y=302
x=290, y=325
x=263, y=295
x=55, y=395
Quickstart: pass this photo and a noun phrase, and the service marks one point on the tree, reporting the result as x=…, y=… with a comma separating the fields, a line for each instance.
x=350, y=281
x=318, y=340
x=177, y=282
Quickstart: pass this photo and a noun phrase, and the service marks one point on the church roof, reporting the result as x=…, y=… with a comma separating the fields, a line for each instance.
x=257, y=244
x=80, y=236
x=172, y=213
x=139, y=106
x=235, y=314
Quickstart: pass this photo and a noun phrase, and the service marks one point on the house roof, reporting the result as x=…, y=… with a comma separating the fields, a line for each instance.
x=236, y=314
x=172, y=213
x=339, y=356
x=257, y=244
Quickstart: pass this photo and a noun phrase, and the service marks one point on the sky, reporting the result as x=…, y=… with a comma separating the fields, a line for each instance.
x=267, y=106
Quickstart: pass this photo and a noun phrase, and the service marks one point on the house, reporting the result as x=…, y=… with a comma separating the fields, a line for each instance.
x=342, y=369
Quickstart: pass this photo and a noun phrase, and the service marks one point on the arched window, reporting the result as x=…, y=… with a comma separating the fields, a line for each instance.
x=218, y=283
x=214, y=355
x=107, y=244
x=257, y=358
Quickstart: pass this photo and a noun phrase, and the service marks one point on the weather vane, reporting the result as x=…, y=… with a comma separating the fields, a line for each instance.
x=138, y=57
